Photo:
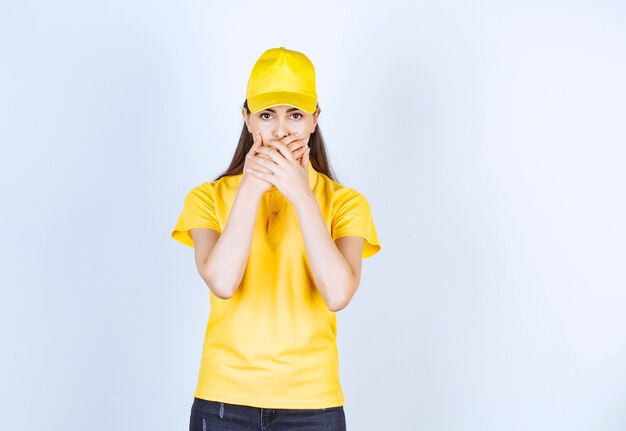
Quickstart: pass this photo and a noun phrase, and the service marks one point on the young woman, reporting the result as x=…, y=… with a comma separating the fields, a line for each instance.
x=279, y=243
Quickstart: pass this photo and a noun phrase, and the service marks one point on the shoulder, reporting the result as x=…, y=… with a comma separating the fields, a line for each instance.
x=352, y=216
x=339, y=194
x=204, y=190
x=220, y=188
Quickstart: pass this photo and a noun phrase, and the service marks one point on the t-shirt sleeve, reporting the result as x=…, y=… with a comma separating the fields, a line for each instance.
x=354, y=217
x=198, y=211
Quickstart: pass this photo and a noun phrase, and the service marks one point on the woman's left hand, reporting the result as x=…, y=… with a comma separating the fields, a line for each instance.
x=289, y=176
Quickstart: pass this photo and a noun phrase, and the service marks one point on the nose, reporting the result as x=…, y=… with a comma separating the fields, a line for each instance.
x=282, y=128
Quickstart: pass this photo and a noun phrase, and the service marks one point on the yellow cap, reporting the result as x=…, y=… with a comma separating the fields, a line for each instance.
x=282, y=77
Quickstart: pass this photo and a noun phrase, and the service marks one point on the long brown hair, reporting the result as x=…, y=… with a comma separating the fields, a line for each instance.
x=318, y=155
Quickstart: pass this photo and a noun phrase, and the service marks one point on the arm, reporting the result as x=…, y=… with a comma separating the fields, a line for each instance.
x=221, y=258
x=336, y=266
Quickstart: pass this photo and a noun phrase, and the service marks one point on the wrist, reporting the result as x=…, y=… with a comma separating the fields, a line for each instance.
x=249, y=192
x=305, y=201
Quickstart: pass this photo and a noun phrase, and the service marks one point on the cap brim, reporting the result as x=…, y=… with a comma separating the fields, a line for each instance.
x=305, y=102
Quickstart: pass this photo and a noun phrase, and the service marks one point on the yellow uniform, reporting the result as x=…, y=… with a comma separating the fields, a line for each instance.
x=273, y=343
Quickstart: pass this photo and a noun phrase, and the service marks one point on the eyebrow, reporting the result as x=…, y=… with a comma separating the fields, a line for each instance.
x=288, y=110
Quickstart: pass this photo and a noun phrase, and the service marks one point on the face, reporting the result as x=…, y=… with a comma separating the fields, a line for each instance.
x=282, y=120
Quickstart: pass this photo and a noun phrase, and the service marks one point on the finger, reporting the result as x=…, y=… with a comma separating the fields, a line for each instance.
x=271, y=142
x=305, y=157
x=264, y=164
x=272, y=154
x=267, y=177
x=257, y=141
x=299, y=152
x=260, y=142
x=295, y=145
x=254, y=158
x=282, y=148
x=292, y=137
x=294, y=141
x=298, y=155
x=305, y=142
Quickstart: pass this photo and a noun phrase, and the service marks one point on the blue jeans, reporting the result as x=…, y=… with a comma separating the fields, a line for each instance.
x=217, y=416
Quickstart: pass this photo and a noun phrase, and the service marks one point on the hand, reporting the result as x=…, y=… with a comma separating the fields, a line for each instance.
x=288, y=174
x=296, y=145
x=248, y=180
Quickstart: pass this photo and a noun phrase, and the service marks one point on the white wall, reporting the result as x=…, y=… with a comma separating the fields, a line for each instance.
x=489, y=139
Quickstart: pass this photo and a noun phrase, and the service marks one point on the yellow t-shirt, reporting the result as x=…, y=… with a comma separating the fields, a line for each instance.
x=273, y=343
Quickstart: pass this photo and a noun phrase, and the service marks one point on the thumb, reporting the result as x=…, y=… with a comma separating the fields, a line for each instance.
x=256, y=139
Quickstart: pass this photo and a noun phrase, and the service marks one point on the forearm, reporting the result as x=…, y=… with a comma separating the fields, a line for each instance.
x=227, y=261
x=331, y=271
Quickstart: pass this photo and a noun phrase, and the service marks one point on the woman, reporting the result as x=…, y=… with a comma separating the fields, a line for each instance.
x=279, y=243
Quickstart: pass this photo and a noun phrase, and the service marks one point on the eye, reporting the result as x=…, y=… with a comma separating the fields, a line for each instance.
x=267, y=113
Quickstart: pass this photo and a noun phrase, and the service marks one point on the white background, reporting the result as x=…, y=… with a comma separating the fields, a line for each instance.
x=488, y=137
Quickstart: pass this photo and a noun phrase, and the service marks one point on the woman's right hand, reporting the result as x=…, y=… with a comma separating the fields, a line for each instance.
x=249, y=180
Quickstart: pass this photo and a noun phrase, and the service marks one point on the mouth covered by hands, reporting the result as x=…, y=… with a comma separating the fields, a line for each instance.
x=287, y=160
